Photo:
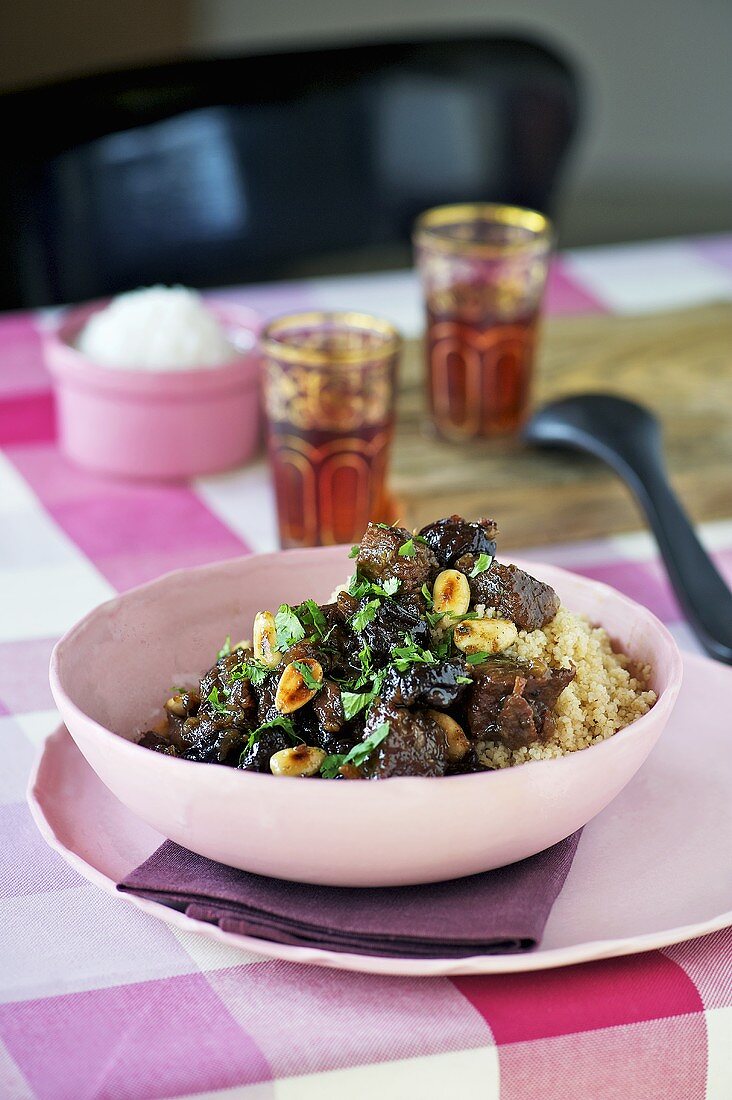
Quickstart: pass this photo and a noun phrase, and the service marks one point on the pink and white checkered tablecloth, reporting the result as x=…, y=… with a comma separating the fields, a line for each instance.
x=99, y=1000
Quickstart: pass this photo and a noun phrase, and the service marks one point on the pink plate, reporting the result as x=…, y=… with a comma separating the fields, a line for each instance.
x=651, y=870
x=110, y=673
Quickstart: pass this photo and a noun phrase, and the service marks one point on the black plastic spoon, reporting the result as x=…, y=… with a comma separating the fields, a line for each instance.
x=628, y=438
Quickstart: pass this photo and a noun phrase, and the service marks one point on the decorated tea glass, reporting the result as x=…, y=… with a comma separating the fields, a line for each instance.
x=329, y=387
x=483, y=268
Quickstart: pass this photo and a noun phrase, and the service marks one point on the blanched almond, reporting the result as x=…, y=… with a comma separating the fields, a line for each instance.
x=300, y=760
x=292, y=691
x=485, y=635
x=265, y=639
x=456, y=742
x=451, y=592
x=176, y=705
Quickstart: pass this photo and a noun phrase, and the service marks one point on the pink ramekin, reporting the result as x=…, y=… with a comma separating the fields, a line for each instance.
x=157, y=424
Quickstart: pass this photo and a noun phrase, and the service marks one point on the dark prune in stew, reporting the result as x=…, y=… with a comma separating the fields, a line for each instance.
x=328, y=708
x=340, y=644
x=379, y=558
x=257, y=758
x=452, y=537
x=515, y=595
x=428, y=685
x=221, y=673
x=217, y=743
x=157, y=743
x=305, y=650
x=241, y=696
x=415, y=744
x=266, y=693
x=393, y=619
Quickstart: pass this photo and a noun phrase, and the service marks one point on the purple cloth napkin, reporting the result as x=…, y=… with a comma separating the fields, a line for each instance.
x=497, y=912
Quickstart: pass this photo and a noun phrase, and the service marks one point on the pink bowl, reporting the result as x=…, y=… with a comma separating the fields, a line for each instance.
x=157, y=424
x=111, y=671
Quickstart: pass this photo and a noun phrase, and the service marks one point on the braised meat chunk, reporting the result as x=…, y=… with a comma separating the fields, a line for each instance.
x=511, y=700
x=328, y=708
x=514, y=594
x=453, y=537
x=516, y=722
x=388, y=553
x=415, y=744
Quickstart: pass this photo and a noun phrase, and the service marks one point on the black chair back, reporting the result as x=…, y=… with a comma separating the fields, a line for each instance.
x=239, y=169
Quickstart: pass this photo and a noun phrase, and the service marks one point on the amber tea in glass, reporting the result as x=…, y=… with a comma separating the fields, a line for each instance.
x=329, y=384
x=483, y=270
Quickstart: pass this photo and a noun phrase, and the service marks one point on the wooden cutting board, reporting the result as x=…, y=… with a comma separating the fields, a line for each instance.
x=679, y=364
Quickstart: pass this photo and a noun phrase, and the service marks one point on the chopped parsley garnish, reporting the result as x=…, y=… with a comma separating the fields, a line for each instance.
x=361, y=752
x=434, y=617
x=464, y=680
x=279, y=723
x=251, y=670
x=307, y=674
x=311, y=618
x=362, y=586
x=482, y=563
x=407, y=549
x=388, y=588
x=477, y=658
x=428, y=596
x=411, y=654
x=289, y=627
x=364, y=659
x=365, y=615
x=216, y=703
x=331, y=765
x=353, y=552
x=359, y=586
x=358, y=755
x=354, y=701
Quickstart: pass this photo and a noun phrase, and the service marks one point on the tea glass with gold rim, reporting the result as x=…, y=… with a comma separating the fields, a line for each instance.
x=329, y=382
x=483, y=268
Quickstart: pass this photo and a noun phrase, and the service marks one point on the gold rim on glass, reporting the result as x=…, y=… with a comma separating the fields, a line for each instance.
x=273, y=338
x=432, y=228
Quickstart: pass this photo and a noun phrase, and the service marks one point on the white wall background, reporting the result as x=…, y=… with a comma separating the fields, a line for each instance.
x=656, y=153
x=655, y=157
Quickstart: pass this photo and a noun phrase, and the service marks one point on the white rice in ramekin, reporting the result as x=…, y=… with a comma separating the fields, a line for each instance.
x=156, y=328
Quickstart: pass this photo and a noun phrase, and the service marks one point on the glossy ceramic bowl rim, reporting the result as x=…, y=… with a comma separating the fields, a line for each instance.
x=76, y=367
x=660, y=710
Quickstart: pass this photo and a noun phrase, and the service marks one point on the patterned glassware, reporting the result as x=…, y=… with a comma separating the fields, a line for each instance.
x=483, y=269
x=329, y=385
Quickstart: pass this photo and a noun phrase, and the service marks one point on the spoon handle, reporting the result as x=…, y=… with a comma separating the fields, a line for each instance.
x=704, y=597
